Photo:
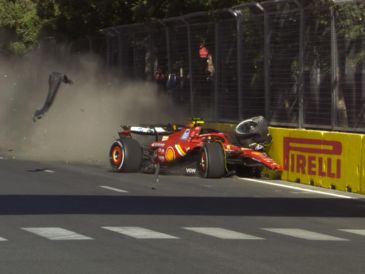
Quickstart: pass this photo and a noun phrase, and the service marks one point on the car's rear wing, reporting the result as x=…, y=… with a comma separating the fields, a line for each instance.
x=151, y=130
x=148, y=130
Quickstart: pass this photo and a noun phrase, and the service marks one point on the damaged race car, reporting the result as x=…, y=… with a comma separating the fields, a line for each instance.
x=194, y=149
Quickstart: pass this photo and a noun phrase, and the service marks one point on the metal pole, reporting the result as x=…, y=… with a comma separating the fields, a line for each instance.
x=301, y=67
x=238, y=15
x=116, y=33
x=107, y=54
x=334, y=69
x=267, y=63
x=239, y=65
x=109, y=33
x=216, y=71
x=190, y=68
x=120, y=48
x=267, y=53
x=134, y=56
x=168, y=49
x=266, y=56
x=186, y=23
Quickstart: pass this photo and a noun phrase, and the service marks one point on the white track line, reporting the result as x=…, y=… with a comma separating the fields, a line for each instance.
x=304, y=234
x=222, y=233
x=114, y=189
x=2, y=239
x=298, y=188
x=56, y=233
x=139, y=232
x=360, y=232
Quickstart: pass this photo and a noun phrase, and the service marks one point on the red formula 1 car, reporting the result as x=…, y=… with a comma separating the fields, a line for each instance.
x=194, y=149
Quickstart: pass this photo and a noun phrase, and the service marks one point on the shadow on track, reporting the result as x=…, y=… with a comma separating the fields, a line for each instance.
x=160, y=205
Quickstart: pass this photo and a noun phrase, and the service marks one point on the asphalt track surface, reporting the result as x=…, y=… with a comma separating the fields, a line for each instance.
x=63, y=218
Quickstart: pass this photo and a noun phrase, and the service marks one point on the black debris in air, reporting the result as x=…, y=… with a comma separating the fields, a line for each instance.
x=54, y=81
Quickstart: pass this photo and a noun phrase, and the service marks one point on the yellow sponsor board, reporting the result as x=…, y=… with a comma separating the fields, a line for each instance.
x=301, y=150
x=326, y=159
x=348, y=164
x=275, y=151
x=362, y=182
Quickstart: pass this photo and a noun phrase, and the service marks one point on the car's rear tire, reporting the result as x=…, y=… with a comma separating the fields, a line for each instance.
x=212, y=163
x=125, y=155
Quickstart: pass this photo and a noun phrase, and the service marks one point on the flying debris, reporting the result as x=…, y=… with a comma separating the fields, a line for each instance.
x=54, y=81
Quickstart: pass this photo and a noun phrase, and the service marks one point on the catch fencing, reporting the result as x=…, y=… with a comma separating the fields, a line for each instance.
x=298, y=65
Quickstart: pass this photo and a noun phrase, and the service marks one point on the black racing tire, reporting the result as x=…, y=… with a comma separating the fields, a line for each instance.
x=255, y=128
x=125, y=155
x=212, y=163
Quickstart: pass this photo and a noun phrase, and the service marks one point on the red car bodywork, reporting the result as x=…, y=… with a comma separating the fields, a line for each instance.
x=177, y=144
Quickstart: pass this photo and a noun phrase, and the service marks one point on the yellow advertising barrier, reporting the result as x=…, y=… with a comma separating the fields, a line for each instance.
x=326, y=159
x=362, y=182
x=347, y=165
x=299, y=161
x=276, y=149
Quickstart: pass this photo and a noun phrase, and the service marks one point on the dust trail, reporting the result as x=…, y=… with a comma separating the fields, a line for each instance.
x=84, y=118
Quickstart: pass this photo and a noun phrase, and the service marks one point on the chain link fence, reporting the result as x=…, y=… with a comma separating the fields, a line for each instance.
x=299, y=65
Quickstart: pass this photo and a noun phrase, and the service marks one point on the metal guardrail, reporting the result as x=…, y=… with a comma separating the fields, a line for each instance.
x=300, y=66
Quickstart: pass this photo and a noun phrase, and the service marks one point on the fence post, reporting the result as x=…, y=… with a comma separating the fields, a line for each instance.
x=267, y=63
x=134, y=55
x=238, y=15
x=239, y=63
x=120, y=48
x=168, y=48
x=190, y=67
x=107, y=57
x=334, y=69
x=167, y=41
x=216, y=71
x=108, y=46
x=301, y=66
x=267, y=56
x=116, y=34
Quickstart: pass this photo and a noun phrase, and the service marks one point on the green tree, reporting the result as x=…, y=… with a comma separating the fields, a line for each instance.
x=87, y=17
x=20, y=24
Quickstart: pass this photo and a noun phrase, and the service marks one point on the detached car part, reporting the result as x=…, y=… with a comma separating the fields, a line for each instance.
x=54, y=82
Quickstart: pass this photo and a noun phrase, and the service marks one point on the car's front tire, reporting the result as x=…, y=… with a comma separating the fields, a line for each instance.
x=125, y=155
x=212, y=163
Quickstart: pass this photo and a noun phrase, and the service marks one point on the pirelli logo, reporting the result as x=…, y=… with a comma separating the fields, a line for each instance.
x=313, y=157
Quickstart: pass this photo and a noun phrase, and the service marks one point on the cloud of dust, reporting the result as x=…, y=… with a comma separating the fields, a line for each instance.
x=85, y=116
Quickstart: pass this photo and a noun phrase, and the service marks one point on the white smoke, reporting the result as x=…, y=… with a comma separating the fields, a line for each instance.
x=85, y=116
